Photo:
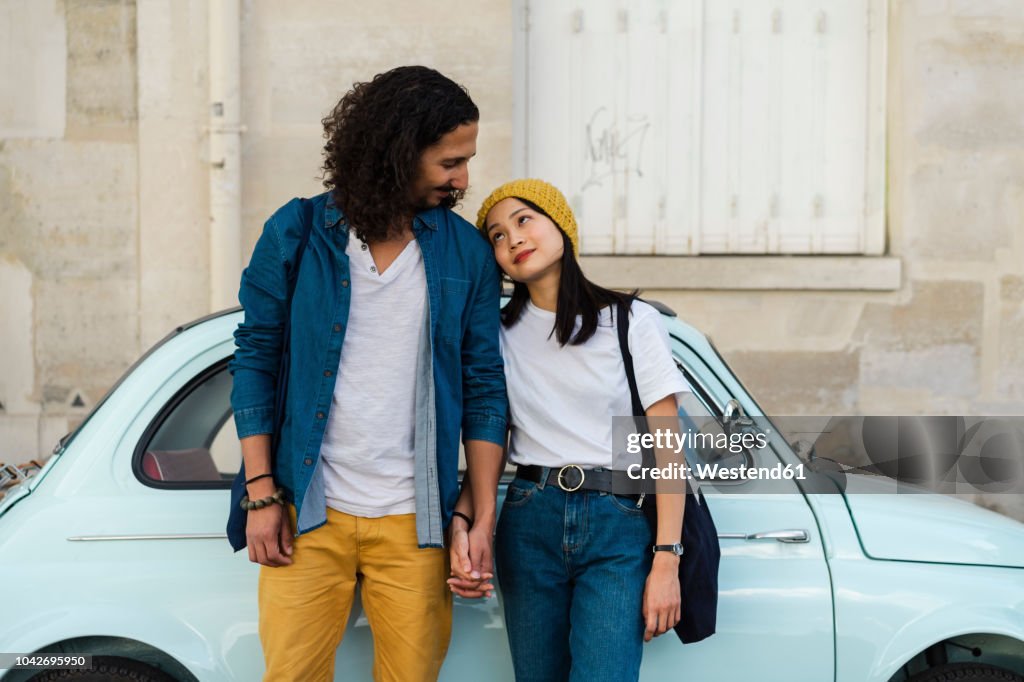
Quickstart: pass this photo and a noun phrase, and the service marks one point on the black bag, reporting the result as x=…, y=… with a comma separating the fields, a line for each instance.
x=237, y=517
x=698, y=569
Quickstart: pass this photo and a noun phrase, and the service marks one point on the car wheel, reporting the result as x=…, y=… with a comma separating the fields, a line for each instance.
x=975, y=672
x=107, y=669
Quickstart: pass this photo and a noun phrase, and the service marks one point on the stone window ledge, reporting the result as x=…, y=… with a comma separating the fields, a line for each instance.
x=796, y=273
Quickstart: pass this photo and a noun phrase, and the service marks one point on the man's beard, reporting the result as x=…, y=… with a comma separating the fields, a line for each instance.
x=450, y=201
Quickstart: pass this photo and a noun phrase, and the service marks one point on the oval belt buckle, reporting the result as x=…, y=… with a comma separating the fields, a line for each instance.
x=561, y=473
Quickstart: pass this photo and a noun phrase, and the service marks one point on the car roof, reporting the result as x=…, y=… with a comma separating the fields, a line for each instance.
x=682, y=331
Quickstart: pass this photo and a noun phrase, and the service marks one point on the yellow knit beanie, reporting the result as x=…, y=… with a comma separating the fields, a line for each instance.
x=544, y=195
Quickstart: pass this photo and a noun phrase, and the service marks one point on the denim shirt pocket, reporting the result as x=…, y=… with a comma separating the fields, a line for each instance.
x=454, y=293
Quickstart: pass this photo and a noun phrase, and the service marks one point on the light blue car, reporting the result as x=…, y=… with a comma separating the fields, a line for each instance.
x=116, y=548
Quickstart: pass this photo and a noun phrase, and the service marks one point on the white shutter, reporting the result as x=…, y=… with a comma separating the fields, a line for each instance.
x=700, y=126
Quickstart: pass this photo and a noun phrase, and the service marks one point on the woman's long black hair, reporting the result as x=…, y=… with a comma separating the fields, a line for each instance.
x=577, y=296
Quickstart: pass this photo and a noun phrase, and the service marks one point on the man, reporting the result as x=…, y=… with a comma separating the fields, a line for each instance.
x=394, y=350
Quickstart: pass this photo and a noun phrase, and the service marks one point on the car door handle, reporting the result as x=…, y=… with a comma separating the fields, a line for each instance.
x=794, y=535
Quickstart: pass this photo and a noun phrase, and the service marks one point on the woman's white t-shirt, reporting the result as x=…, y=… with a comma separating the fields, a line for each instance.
x=562, y=398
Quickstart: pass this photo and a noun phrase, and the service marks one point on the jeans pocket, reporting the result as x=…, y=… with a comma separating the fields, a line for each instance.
x=519, y=493
x=624, y=505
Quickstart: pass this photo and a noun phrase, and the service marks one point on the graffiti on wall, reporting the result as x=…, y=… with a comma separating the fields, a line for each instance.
x=613, y=149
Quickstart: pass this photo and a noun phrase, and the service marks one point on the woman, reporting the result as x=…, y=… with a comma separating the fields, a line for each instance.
x=582, y=588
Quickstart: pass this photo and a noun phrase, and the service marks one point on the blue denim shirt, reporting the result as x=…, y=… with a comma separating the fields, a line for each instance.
x=460, y=382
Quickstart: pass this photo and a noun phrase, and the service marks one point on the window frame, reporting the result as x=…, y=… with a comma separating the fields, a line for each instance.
x=161, y=417
x=706, y=396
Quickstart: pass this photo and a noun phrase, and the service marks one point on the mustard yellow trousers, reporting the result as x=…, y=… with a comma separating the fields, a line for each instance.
x=304, y=607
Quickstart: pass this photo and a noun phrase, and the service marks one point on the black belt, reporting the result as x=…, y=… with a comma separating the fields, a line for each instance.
x=572, y=477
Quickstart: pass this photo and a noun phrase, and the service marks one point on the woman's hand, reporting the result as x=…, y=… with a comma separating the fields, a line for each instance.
x=466, y=581
x=662, y=601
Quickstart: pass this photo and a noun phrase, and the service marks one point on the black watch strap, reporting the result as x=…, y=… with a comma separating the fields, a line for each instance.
x=676, y=549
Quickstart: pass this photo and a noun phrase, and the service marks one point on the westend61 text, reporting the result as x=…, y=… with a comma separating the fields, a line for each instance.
x=714, y=471
x=667, y=439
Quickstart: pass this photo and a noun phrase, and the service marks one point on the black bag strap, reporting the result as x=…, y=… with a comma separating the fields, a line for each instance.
x=622, y=323
x=698, y=571
x=292, y=277
x=307, y=229
x=237, y=518
x=639, y=416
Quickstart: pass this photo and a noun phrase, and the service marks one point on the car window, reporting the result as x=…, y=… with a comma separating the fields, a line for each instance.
x=192, y=441
x=700, y=413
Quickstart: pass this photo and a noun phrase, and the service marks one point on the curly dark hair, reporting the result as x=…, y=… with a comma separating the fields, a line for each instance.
x=375, y=136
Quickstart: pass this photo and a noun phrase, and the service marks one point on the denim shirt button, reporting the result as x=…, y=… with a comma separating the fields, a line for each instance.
x=307, y=461
x=319, y=415
x=344, y=283
x=337, y=327
x=327, y=372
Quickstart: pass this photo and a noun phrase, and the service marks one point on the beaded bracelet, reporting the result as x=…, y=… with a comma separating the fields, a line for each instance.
x=276, y=498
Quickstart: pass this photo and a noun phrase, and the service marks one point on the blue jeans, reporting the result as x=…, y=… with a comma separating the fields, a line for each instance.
x=572, y=568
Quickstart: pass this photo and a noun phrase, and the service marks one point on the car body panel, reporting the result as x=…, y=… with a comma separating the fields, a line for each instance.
x=935, y=528
x=888, y=611
x=796, y=611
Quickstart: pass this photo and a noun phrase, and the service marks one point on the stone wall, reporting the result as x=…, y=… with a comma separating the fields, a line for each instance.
x=104, y=187
x=951, y=339
x=104, y=225
x=69, y=270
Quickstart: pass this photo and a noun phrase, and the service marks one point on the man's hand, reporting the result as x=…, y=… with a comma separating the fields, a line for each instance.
x=269, y=535
x=268, y=531
x=471, y=566
x=662, y=601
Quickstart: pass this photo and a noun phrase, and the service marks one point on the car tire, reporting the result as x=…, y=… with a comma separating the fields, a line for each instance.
x=107, y=669
x=964, y=672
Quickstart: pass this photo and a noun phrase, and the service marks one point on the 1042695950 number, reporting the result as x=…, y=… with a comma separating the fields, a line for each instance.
x=42, y=661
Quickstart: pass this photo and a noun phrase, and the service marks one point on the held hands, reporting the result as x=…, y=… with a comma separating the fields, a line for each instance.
x=471, y=561
x=662, y=601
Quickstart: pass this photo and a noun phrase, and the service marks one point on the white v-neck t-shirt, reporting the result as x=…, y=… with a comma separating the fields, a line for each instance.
x=368, y=447
x=562, y=398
